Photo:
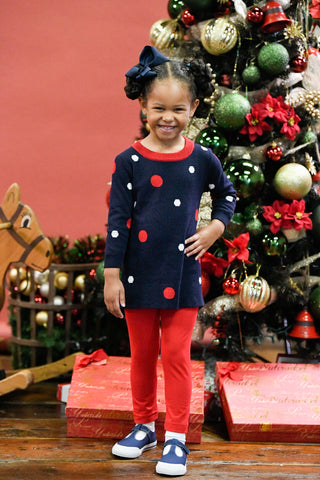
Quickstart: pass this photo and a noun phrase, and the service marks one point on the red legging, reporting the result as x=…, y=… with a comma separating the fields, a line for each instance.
x=176, y=331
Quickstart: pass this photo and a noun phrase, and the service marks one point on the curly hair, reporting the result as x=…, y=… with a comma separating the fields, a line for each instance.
x=196, y=74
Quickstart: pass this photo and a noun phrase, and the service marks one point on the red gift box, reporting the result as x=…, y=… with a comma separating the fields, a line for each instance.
x=270, y=402
x=100, y=404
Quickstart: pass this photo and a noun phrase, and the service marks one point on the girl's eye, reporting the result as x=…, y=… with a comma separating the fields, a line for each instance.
x=26, y=221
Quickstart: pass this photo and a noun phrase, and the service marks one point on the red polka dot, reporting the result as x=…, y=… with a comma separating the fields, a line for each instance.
x=196, y=215
x=129, y=223
x=169, y=293
x=156, y=180
x=114, y=167
x=143, y=236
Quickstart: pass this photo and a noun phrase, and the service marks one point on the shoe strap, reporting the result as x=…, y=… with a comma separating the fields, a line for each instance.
x=177, y=443
x=142, y=428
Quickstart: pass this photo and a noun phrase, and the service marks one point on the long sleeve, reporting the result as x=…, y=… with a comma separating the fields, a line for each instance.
x=120, y=212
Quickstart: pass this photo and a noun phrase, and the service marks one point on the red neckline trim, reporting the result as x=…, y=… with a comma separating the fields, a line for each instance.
x=168, y=157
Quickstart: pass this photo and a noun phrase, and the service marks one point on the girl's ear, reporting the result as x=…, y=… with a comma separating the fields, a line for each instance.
x=142, y=105
x=194, y=107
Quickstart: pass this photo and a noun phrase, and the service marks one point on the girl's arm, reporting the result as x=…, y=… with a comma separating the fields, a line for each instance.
x=204, y=238
x=114, y=295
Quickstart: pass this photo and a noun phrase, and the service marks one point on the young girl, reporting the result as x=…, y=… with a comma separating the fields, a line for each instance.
x=156, y=189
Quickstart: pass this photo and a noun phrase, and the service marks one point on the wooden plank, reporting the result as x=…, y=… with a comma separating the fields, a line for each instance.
x=146, y=471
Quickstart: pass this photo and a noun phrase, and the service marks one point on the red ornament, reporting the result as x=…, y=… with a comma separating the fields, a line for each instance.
x=205, y=283
x=274, y=152
x=187, y=18
x=225, y=80
x=231, y=286
x=299, y=64
x=255, y=15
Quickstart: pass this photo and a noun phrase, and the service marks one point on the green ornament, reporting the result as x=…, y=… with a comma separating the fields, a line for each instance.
x=212, y=138
x=316, y=223
x=100, y=272
x=246, y=176
x=254, y=226
x=230, y=111
x=251, y=75
x=306, y=137
x=175, y=7
x=314, y=303
x=198, y=5
x=274, y=245
x=273, y=58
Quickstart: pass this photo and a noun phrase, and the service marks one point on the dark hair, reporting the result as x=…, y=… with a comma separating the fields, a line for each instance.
x=195, y=73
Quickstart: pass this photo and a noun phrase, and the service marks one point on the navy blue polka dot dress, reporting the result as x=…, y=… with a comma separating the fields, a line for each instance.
x=154, y=204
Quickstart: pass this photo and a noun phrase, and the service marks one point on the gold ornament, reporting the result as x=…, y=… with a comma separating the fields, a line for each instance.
x=17, y=274
x=254, y=293
x=42, y=318
x=294, y=30
x=219, y=36
x=25, y=287
x=311, y=101
x=61, y=280
x=166, y=33
x=79, y=283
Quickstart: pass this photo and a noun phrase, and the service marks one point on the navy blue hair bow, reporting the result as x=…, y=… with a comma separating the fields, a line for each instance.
x=149, y=57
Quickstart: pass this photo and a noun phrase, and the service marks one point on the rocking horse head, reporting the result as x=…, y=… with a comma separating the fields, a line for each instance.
x=21, y=238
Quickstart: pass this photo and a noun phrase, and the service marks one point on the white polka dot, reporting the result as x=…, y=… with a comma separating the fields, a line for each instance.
x=229, y=198
x=200, y=280
x=129, y=186
x=212, y=186
x=135, y=158
x=204, y=148
x=181, y=247
x=192, y=169
x=114, y=234
x=130, y=279
x=134, y=205
x=177, y=202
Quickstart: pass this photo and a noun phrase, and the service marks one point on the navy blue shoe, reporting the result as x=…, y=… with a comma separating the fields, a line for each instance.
x=140, y=438
x=174, y=459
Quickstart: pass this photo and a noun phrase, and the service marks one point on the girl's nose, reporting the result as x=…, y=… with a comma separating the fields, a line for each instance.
x=168, y=116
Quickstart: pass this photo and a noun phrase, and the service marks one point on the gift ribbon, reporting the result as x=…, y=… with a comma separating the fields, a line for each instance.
x=99, y=357
x=229, y=371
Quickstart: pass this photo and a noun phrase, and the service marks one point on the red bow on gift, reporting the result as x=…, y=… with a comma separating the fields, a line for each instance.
x=229, y=371
x=314, y=9
x=99, y=357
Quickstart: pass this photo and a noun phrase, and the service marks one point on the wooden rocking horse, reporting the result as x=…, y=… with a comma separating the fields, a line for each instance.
x=21, y=238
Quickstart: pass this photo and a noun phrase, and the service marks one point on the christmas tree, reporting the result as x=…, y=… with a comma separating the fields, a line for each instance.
x=262, y=121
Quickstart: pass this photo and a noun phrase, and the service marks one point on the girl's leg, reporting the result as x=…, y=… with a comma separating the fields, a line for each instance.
x=176, y=333
x=143, y=328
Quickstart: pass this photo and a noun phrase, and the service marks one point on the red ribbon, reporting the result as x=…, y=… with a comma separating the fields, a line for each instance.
x=229, y=371
x=99, y=357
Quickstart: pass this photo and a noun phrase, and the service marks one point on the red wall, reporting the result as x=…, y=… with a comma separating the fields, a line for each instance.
x=63, y=112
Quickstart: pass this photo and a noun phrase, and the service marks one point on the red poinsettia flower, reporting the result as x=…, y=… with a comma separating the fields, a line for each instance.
x=290, y=127
x=276, y=215
x=255, y=124
x=237, y=249
x=213, y=265
x=299, y=218
x=272, y=108
x=314, y=9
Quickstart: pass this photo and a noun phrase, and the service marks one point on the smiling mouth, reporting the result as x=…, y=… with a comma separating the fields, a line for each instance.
x=167, y=127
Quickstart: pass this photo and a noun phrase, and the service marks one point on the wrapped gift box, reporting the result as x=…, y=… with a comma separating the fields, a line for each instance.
x=100, y=405
x=270, y=402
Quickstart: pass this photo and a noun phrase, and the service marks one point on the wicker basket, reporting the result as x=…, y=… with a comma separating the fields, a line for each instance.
x=22, y=304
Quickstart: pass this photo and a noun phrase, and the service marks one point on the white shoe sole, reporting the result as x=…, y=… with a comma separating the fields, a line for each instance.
x=171, y=469
x=131, y=452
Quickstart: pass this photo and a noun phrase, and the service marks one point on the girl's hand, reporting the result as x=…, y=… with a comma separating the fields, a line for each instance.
x=204, y=238
x=114, y=295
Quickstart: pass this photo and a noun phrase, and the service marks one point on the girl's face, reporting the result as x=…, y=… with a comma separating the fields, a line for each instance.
x=168, y=108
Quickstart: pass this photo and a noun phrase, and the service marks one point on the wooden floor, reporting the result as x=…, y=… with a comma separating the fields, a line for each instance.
x=34, y=445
